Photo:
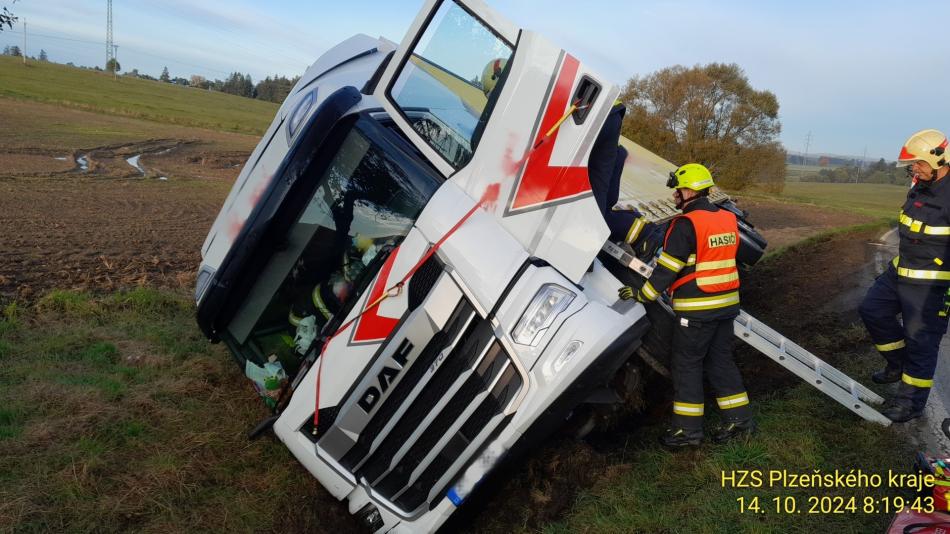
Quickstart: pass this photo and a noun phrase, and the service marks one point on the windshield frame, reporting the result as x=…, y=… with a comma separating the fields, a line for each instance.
x=492, y=99
x=398, y=151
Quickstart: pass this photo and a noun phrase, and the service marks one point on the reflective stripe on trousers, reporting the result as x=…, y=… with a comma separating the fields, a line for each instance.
x=911, y=345
x=705, y=345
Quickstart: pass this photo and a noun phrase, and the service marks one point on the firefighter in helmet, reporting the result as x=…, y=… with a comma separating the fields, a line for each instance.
x=916, y=284
x=492, y=73
x=697, y=267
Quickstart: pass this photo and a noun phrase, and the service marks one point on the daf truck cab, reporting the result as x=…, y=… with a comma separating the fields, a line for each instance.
x=408, y=266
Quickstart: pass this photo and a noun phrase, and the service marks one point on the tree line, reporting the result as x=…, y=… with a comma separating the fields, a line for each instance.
x=707, y=114
x=879, y=172
x=16, y=52
x=271, y=89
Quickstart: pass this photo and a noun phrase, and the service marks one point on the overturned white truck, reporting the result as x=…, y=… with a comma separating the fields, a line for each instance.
x=410, y=264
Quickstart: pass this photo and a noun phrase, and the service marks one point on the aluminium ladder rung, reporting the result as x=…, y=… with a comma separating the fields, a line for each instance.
x=747, y=325
x=813, y=370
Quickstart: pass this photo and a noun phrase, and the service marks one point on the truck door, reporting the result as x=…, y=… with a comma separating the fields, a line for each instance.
x=490, y=106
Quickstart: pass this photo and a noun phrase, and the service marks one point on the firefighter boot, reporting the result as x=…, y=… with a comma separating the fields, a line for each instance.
x=733, y=429
x=888, y=375
x=678, y=438
x=901, y=411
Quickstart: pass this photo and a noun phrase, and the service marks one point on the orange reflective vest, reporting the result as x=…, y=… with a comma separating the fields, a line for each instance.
x=717, y=243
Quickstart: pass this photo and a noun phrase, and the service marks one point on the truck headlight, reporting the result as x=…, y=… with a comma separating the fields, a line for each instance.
x=300, y=113
x=546, y=305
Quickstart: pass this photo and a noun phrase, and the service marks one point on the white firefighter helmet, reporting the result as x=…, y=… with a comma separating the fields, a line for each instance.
x=925, y=145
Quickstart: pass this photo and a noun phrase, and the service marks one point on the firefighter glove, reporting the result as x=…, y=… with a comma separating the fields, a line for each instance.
x=627, y=293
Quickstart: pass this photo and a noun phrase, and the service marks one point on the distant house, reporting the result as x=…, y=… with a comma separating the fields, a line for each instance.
x=824, y=161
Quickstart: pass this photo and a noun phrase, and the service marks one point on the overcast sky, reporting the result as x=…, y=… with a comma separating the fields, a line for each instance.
x=857, y=75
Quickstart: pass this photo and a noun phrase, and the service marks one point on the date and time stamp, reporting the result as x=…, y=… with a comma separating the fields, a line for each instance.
x=837, y=492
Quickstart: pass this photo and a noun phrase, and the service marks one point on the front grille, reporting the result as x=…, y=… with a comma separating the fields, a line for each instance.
x=462, y=315
x=431, y=424
x=423, y=280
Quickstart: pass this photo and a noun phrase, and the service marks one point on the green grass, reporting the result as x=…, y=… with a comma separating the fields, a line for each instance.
x=876, y=200
x=796, y=173
x=130, y=97
x=657, y=491
x=649, y=490
x=115, y=412
x=773, y=254
x=117, y=415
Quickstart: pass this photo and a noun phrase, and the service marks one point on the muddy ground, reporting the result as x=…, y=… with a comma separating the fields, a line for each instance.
x=785, y=224
x=97, y=202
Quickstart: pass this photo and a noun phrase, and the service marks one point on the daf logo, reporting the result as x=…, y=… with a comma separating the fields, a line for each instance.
x=386, y=376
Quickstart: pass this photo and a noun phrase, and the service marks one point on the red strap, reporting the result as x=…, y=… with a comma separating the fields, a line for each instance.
x=489, y=197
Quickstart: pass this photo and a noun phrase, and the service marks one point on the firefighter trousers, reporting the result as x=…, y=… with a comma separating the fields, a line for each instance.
x=912, y=344
x=699, y=345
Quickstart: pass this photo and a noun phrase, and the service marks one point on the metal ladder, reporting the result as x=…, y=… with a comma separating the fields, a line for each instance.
x=810, y=368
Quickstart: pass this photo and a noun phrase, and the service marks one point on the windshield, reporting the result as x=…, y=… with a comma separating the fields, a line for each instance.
x=445, y=87
x=365, y=201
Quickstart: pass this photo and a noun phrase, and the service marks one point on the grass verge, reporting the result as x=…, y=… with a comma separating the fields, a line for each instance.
x=825, y=235
x=657, y=491
x=116, y=415
x=875, y=200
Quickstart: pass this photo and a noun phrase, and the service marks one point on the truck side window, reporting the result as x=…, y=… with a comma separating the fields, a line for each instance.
x=453, y=72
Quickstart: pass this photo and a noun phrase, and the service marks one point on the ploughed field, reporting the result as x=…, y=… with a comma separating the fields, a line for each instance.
x=75, y=213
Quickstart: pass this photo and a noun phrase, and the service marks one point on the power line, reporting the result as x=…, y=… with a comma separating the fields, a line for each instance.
x=280, y=50
x=97, y=43
x=175, y=61
x=225, y=34
x=136, y=50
